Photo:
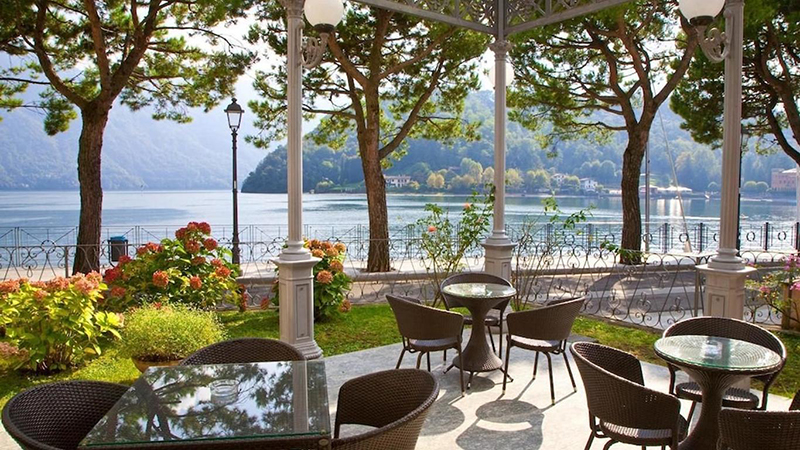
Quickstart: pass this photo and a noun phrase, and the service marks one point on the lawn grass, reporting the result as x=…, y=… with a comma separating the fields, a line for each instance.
x=366, y=327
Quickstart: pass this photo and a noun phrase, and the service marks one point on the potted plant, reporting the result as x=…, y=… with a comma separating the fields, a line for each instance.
x=162, y=335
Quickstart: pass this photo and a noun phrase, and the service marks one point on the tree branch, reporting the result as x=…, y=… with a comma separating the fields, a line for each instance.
x=99, y=42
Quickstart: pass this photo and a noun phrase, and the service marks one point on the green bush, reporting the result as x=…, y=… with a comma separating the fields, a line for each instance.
x=190, y=269
x=57, y=324
x=157, y=332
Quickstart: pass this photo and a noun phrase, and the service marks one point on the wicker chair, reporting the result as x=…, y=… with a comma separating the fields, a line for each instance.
x=742, y=429
x=620, y=406
x=425, y=330
x=491, y=320
x=544, y=330
x=57, y=416
x=733, y=329
x=242, y=351
x=395, y=402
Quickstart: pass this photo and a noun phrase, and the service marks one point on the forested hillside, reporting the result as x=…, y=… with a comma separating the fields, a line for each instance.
x=139, y=153
x=463, y=165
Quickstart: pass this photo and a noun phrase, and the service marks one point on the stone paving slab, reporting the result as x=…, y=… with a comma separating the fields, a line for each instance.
x=485, y=418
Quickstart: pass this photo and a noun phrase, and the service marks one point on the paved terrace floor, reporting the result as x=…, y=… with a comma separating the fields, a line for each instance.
x=485, y=419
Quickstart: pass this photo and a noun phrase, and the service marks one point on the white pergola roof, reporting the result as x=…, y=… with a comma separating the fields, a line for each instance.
x=498, y=18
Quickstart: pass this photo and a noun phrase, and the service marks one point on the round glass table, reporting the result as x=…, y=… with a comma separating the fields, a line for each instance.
x=716, y=364
x=479, y=299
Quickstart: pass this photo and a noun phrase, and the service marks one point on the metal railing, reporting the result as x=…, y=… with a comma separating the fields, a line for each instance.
x=663, y=289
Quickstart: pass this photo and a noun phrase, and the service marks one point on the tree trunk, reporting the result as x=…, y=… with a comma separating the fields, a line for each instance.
x=378, y=259
x=87, y=254
x=631, y=212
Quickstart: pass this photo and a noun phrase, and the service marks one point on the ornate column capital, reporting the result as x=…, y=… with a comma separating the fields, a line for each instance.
x=500, y=47
x=294, y=8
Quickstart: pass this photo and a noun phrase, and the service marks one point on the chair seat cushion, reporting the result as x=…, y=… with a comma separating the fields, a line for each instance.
x=639, y=436
x=535, y=344
x=432, y=345
x=734, y=398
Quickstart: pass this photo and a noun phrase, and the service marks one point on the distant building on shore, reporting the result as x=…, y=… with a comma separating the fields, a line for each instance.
x=397, y=181
x=588, y=185
x=784, y=180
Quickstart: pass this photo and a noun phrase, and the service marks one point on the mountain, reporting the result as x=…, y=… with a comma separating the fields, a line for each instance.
x=697, y=166
x=138, y=152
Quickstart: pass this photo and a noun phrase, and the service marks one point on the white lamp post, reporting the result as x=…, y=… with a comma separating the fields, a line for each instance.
x=296, y=264
x=725, y=272
x=234, y=113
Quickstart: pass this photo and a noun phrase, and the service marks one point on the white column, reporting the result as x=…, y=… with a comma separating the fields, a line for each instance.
x=296, y=278
x=725, y=273
x=498, y=247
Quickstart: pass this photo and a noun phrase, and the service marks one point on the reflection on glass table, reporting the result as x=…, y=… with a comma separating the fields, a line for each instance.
x=219, y=402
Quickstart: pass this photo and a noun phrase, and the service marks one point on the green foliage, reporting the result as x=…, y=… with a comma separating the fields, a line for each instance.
x=445, y=244
x=331, y=283
x=163, y=54
x=755, y=187
x=58, y=324
x=539, y=240
x=190, y=269
x=168, y=332
x=775, y=289
x=771, y=90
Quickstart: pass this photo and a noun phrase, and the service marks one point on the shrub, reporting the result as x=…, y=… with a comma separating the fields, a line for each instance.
x=158, y=332
x=775, y=290
x=331, y=283
x=56, y=324
x=446, y=244
x=190, y=269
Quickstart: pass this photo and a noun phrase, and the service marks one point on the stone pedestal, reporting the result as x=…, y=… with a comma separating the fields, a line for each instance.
x=724, y=296
x=498, y=257
x=296, y=290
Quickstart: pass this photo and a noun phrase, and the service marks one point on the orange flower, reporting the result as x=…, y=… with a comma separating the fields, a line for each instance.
x=160, y=278
x=141, y=251
x=210, y=244
x=222, y=272
x=314, y=243
x=195, y=282
x=191, y=227
x=467, y=206
x=118, y=292
x=85, y=285
x=8, y=287
x=326, y=246
x=124, y=259
x=264, y=303
x=337, y=266
x=155, y=248
x=180, y=234
x=39, y=295
x=431, y=229
x=346, y=306
x=58, y=284
x=94, y=277
x=197, y=260
x=332, y=252
x=192, y=247
x=317, y=253
x=340, y=247
x=216, y=262
x=324, y=277
x=204, y=227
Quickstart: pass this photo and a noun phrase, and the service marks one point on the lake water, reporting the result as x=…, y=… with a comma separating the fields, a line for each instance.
x=160, y=213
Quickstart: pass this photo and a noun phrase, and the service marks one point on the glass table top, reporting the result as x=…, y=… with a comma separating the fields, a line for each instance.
x=479, y=290
x=228, y=401
x=717, y=353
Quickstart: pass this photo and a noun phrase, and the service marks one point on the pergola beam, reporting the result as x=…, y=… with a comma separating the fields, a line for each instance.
x=452, y=19
x=565, y=13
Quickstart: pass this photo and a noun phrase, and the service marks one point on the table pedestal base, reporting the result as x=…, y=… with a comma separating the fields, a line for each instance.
x=705, y=434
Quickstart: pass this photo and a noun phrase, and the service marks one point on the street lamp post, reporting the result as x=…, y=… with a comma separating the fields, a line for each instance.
x=296, y=278
x=726, y=271
x=234, y=112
